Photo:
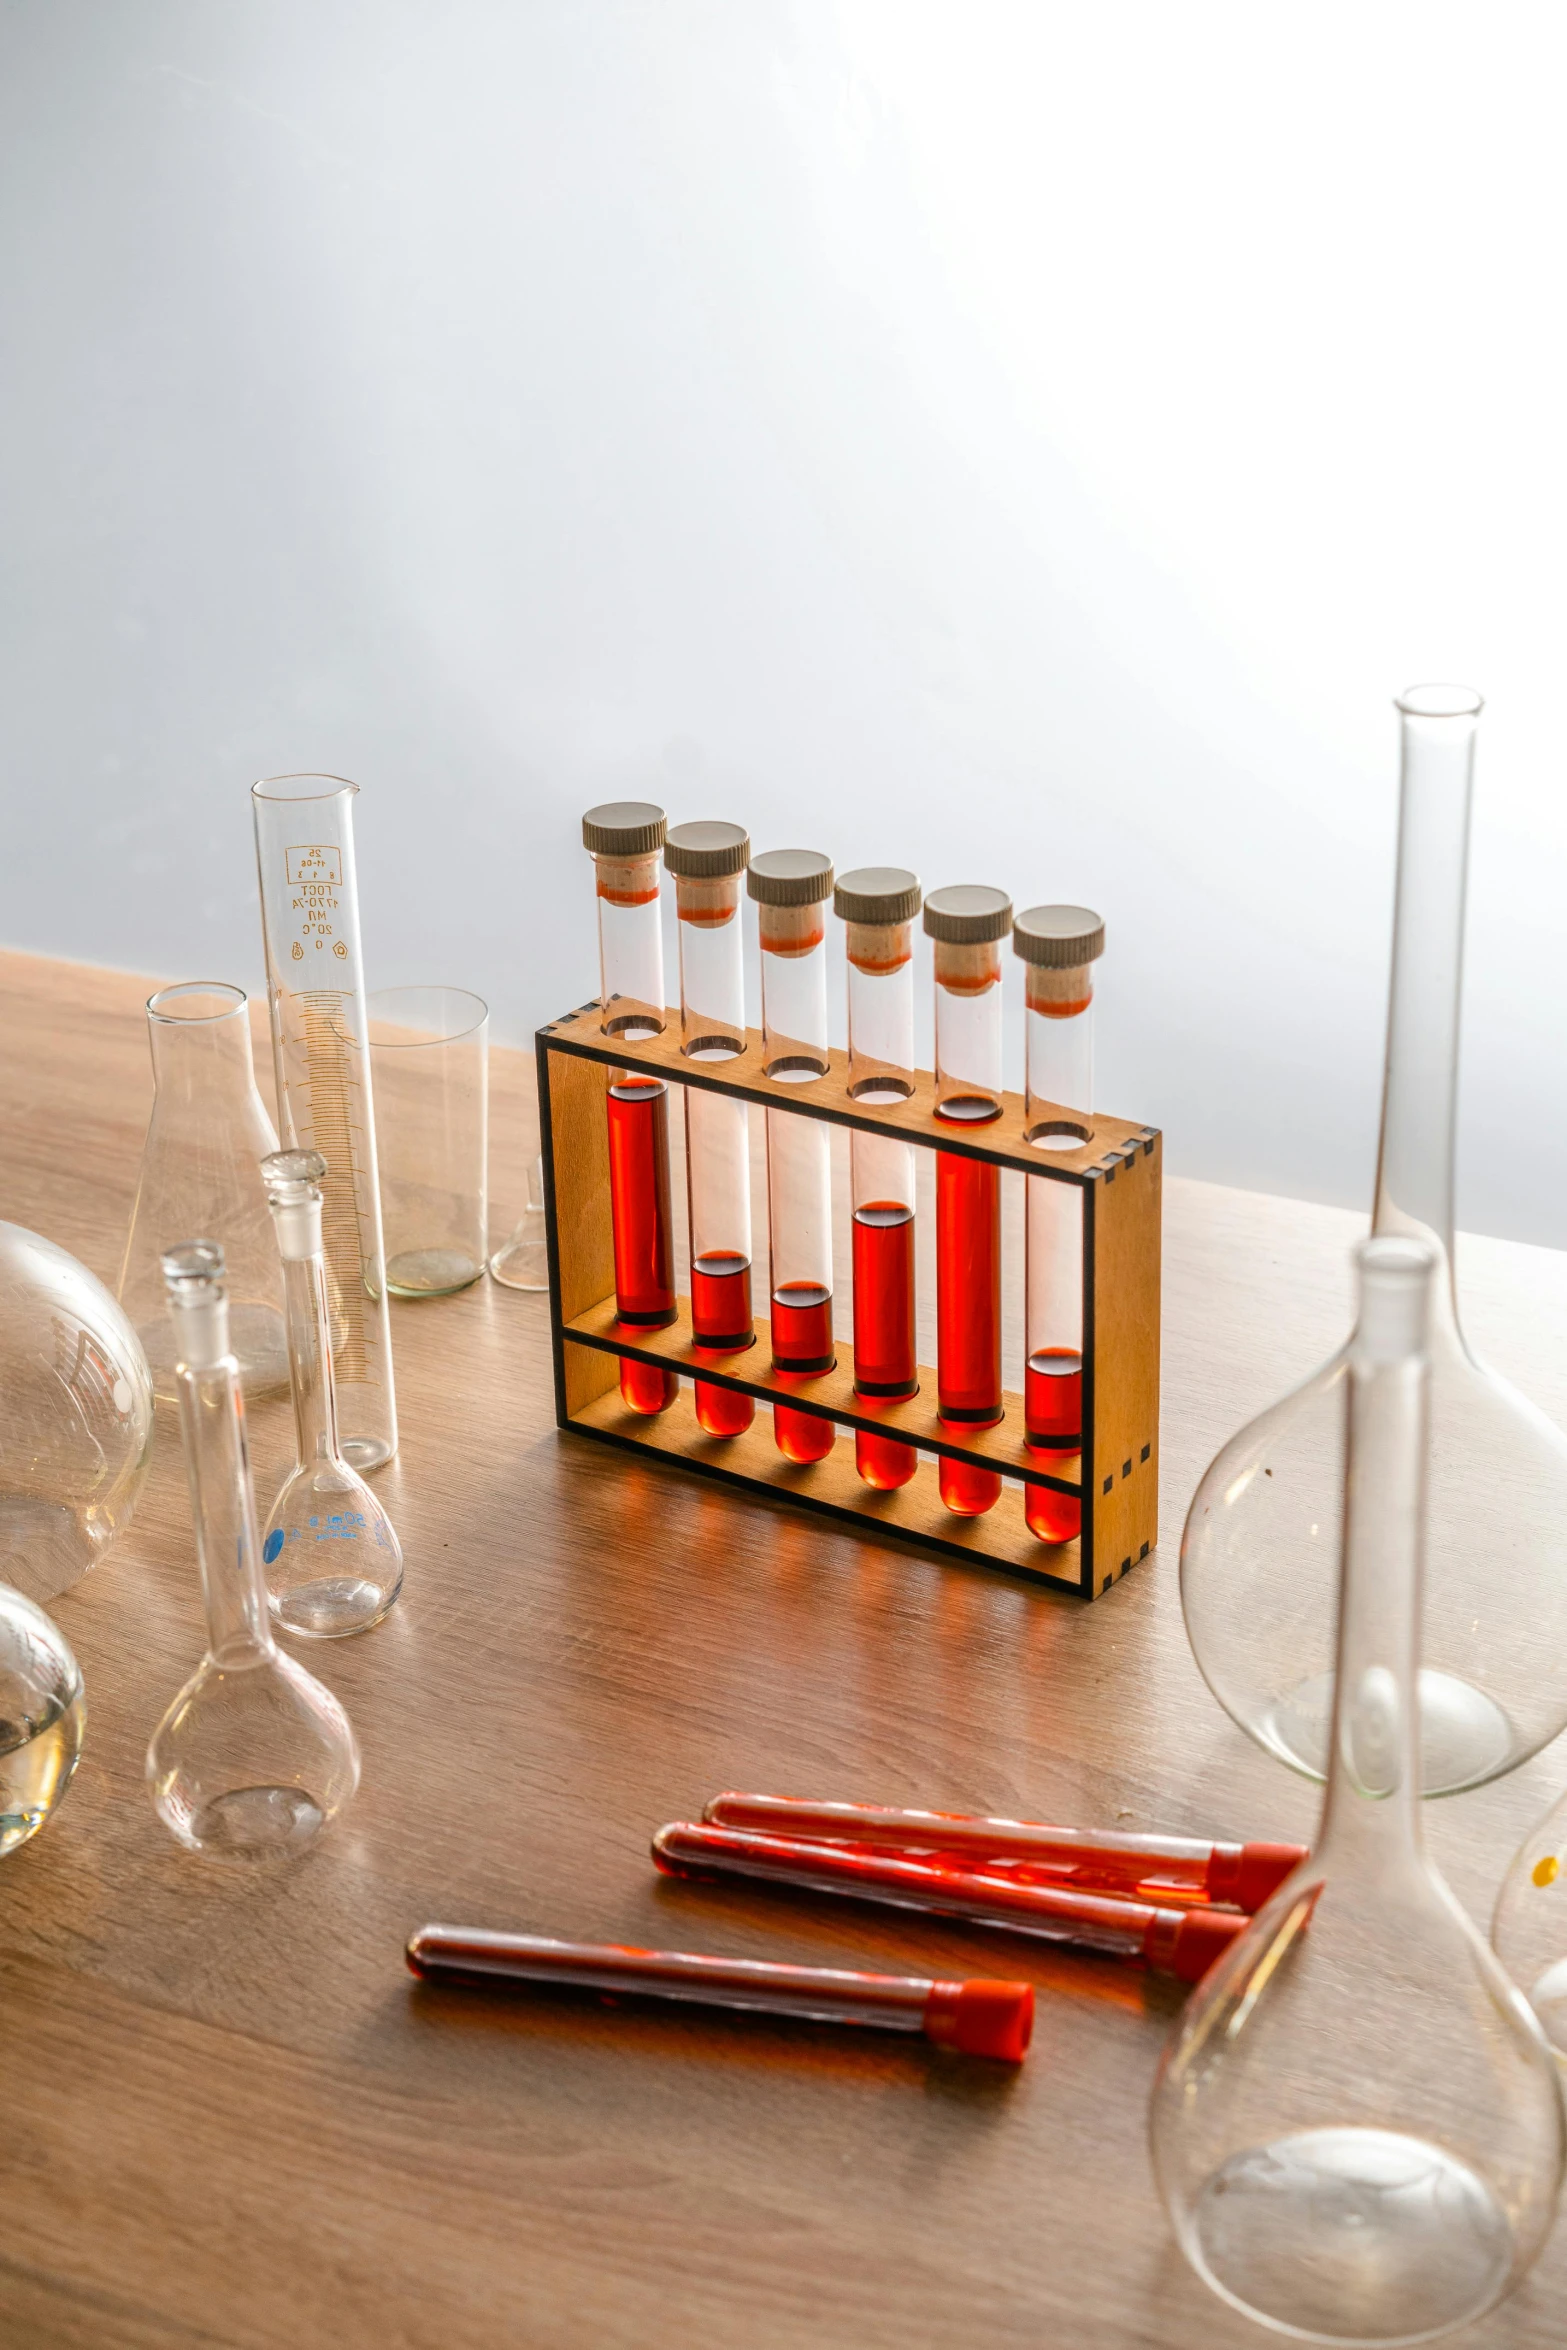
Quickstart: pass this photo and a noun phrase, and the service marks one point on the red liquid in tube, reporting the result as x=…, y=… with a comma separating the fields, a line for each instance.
x=802, y=1343
x=638, y=1110
x=1053, y=1418
x=968, y=1319
x=884, y=1358
x=721, y=1319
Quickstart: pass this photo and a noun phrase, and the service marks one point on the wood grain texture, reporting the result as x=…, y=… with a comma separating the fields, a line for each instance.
x=230, y=2117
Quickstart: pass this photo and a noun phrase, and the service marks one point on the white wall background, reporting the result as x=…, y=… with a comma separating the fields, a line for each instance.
x=1027, y=441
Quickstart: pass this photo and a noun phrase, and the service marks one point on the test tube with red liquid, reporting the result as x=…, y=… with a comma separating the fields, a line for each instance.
x=1059, y=946
x=707, y=861
x=878, y=905
x=625, y=837
x=791, y=888
x=967, y=925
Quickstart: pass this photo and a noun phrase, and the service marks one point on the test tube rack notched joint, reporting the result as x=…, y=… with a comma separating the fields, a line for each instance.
x=1118, y=1168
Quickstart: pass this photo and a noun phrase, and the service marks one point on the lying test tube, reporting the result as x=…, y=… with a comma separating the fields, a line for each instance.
x=1179, y=1942
x=1184, y=1869
x=976, y=2018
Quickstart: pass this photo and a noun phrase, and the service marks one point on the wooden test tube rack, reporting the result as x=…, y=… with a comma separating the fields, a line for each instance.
x=1117, y=1167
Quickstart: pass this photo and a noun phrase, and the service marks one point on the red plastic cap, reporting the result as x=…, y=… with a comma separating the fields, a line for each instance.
x=1203, y=1936
x=1263, y=1870
x=981, y=2018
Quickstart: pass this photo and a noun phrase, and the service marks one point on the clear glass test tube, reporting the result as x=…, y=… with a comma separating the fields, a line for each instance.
x=878, y=905
x=707, y=861
x=316, y=995
x=1058, y=946
x=624, y=838
x=967, y=925
x=791, y=888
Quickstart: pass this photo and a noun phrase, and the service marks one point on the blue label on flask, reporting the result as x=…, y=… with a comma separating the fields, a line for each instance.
x=274, y=1544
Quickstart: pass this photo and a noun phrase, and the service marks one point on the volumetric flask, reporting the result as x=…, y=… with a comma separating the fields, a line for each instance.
x=624, y=838
x=968, y=924
x=201, y=1172
x=791, y=888
x=429, y=1048
x=1059, y=946
x=316, y=993
x=1257, y=1551
x=877, y=906
x=707, y=861
x=1357, y=2126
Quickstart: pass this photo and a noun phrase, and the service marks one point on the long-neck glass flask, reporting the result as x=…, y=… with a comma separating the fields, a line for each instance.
x=624, y=838
x=878, y=905
x=1357, y=2127
x=254, y=1756
x=967, y=925
x=1059, y=946
x=1257, y=1552
x=791, y=888
x=332, y=1559
x=201, y=1172
x=320, y=1050
x=707, y=860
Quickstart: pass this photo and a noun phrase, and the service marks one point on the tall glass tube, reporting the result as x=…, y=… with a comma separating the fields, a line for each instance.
x=791, y=888
x=877, y=906
x=1058, y=946
x=316, y=995
x=707, y=861
x=1256, y=1554
x=967, y=925
x=624, y=838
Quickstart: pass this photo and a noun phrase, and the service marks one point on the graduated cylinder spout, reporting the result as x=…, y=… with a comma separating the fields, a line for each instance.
x=1414, y=1190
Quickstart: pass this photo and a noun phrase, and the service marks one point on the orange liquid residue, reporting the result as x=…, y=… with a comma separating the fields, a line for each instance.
x=629, y=897
x=1058, y=1011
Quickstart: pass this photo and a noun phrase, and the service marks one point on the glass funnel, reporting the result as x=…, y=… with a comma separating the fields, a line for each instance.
x=1257, y=1555
x=332, y=1559
x=75, y=1416
x=1357, y=2128
x=254, y=1755
x=42, y=1718
x=200, y=1172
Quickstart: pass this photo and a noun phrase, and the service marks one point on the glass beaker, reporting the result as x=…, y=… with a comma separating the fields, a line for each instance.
x=791, y=888
x=523, y=1259
x=43, y=1717
x=967, y=924
x=429, y=1048
x=316, y=996
x=254, y=1755
x=1257, y=1552
x=333, y=1561
x=76, y=1416
x=201, y=1172
x=1357, y=2127
x=623, y=838
x=1058, y=946
x=707, y=860
x=877, y=906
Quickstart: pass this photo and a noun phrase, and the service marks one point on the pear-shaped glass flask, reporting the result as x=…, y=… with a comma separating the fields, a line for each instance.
x=42, y=1717
x=523, y=1261
x=1257, y=1555
x=332, y=1560
x=254, y=1756
x=75, y=1416
x=1357, y=2127
x=201, y=1172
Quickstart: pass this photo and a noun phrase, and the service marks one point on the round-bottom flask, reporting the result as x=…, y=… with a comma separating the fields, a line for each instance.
x=1357, y=2128
x=42, y=1718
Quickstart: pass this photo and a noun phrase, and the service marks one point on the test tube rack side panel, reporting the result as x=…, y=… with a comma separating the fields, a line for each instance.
x=1118, y=1168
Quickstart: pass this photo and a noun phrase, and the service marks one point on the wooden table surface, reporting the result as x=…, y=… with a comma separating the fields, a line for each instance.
x=227, y=2116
